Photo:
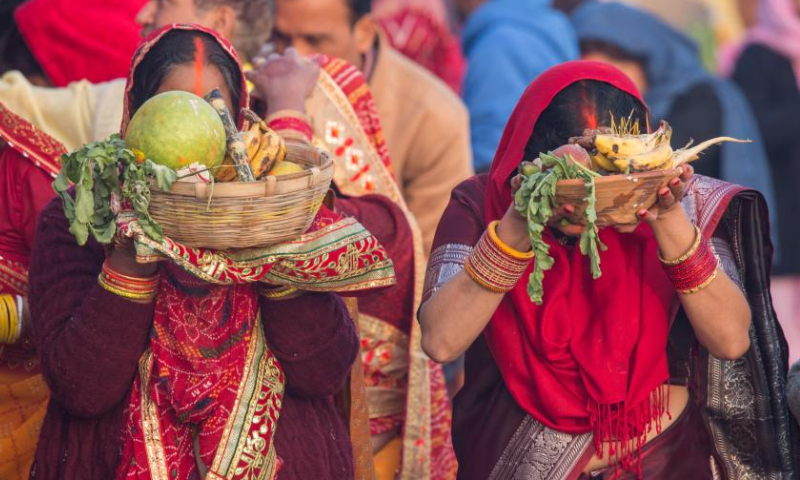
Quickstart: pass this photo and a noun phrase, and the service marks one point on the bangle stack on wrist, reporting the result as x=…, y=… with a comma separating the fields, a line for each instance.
x=132, y=288
x=10, y=320
x=291, y=125
x=695, y=269
x=494, y=265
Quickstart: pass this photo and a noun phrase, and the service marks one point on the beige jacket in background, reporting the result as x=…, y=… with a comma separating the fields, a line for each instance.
x=75, y=115
x=427, y=132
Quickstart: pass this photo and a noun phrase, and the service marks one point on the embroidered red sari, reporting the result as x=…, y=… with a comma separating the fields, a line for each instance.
x=28, y=161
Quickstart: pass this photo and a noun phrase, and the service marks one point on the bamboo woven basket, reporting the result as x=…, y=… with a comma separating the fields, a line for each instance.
x=237, y=215
x=619, y=197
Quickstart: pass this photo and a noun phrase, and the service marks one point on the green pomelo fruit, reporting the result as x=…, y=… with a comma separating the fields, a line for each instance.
x=176, y=129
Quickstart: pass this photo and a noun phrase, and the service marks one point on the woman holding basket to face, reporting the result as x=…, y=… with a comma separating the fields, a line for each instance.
x=607, y=376
x=164, y=371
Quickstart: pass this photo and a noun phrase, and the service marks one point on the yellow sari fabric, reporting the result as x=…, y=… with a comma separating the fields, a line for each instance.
x=23, y=403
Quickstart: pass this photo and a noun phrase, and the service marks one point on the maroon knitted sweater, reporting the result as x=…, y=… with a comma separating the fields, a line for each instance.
x=90, y=341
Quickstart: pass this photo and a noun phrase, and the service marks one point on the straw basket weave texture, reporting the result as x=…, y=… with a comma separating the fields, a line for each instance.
x=619, y=197
x=236, y=215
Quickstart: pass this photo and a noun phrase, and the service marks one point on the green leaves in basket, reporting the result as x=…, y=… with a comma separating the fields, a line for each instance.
x=100, y=172
x=536, y=201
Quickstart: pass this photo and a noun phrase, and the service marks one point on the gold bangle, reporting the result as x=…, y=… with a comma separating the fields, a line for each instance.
x=18, y=333
x=280, y=293
x=9, y=327
x=124, y=293
x=703, y=285
x=5, y=320
x=511, y=252
x=698, y=238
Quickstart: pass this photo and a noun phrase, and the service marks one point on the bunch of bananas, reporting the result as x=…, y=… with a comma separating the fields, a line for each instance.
x=625, y=153
x=634, y=153
x=265, y=150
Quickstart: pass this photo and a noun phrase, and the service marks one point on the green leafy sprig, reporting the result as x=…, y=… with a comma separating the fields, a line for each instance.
x=99, y=171
x=536, y=201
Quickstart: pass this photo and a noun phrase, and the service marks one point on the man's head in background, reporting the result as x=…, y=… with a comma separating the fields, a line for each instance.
x=339, y=28
x=247, y=24
x=49, y=48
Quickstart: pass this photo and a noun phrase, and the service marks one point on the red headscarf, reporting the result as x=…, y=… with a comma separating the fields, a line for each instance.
x=77, y=39
x=594, y=353
x=153, y=39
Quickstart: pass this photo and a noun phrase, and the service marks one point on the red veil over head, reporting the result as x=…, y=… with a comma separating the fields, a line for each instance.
x=152, y=39
x=594, y=353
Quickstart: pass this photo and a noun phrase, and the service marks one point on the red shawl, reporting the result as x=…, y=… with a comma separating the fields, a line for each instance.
x=77, y=39
x=594, y=353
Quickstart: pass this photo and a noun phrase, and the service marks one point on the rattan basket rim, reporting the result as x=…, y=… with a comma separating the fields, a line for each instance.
x=321, y=172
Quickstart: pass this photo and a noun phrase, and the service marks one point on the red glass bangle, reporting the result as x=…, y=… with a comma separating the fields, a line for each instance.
x=494, y=268
x=695, y=272
x=283, y=124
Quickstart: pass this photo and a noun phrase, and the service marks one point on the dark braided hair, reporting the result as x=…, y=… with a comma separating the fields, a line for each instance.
x=584, y=104
x=178, y=48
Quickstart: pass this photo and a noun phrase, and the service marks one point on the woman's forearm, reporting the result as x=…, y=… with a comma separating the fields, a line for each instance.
x=459, y=311
x=454, y=317
x=719, y=313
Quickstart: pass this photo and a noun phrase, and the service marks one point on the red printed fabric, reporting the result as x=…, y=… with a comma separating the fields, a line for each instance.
x=202, y=349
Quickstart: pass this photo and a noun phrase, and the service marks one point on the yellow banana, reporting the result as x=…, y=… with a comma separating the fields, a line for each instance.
x=225, y=172
x=657, y=159
x=252, y=140
x=600, y=162
x=272, y=151
x=625, y=145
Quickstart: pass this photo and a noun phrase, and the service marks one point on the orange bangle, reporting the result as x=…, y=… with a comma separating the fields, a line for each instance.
x=511, y=252
x=109, y=270
x=131, y=295
x=493, y=267
x=135, y=288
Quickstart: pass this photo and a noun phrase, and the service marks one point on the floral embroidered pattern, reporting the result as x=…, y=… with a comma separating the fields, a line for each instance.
x=342, y=256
